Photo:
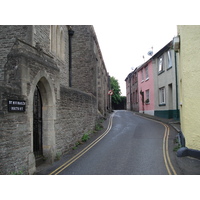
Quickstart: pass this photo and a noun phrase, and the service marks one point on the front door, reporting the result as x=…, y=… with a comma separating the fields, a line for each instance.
x=37, y=124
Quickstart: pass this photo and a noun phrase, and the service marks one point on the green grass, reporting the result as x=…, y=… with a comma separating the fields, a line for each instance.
x=85, y=137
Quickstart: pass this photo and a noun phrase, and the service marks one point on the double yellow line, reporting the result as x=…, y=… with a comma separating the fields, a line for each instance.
x=168, y=164
x=167, y=161
x=73, y=159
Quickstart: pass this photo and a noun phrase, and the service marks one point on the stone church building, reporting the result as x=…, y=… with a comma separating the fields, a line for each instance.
x=53, y=88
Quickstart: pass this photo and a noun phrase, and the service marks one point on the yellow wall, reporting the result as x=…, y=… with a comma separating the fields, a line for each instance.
x=189, y=84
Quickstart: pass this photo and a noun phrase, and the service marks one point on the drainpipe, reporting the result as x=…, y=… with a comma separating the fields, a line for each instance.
x=71, y=33
x=142, y=94
x=176, y=47
x=130, y=94
x=176, y=77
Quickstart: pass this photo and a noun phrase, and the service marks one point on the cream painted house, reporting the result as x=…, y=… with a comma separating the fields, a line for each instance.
x=188, y=55
x=165, y=78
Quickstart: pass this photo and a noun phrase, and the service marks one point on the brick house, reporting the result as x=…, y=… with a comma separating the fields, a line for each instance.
x=132, y=91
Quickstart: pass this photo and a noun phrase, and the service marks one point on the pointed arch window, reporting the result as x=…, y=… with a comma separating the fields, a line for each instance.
x=57, y=42
x=52, y=39
x=62, y=45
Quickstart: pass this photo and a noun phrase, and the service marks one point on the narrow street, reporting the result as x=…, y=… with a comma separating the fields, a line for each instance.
x=133, y=145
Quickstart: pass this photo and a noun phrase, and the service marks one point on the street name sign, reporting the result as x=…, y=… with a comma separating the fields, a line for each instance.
x=16, y=106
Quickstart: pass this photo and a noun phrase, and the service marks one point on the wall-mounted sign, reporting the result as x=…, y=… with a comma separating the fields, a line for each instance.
x=110, y=92
x=16, y=106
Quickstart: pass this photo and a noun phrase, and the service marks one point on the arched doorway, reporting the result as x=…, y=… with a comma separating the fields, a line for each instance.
x=37, y=125
x=44, y=109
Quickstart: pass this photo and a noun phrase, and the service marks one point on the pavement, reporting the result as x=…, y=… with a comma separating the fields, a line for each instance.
x=187, y=165
x=173, y=122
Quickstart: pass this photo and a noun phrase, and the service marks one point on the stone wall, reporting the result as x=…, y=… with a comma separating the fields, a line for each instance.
x=45, y=36
x=8, y=35
x=67, y=112
x=89, y=73
x=76, y=115
x=14, y=136
x=24, y=69
x=84, y=63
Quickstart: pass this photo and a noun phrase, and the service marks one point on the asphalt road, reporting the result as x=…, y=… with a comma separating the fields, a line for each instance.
x=133, y=146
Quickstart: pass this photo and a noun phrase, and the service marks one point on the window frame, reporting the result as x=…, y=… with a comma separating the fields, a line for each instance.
x=162, y=96
x=169, y=58
x=142, y=74
x=160, y=65
x=147, y=93
x=147, y=72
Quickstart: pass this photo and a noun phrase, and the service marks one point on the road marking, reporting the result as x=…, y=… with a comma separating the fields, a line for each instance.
x=167, y=161
x=73, y=159
x=164, y=152
x=173, y=172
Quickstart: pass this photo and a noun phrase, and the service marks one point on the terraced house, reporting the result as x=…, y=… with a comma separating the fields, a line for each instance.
x=165, y=83
x=156, y=85
x=146, y=88
x=53, y=89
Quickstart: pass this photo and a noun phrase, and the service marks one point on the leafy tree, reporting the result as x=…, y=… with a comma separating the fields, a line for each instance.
x=116, y=97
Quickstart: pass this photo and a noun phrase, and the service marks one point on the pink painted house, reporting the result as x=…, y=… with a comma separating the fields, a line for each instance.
x=146, y=88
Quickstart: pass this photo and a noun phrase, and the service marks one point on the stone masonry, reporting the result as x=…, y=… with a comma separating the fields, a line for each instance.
x=38, y=57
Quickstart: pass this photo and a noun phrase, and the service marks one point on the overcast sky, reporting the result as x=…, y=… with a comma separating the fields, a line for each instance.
x=126, y=29
x=123, y=46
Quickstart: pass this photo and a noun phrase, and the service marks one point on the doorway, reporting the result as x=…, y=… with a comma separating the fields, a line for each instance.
x=37, y=124
x=170, y=101
x=44, y=113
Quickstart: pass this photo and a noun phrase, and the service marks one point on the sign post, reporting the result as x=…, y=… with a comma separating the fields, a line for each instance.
x=110, y=92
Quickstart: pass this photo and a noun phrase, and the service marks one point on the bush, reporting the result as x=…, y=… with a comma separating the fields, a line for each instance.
x=98, y=127
x=85, y=137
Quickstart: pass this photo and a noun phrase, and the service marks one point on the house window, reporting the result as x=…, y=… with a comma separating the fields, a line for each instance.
x=162, y=96
x=128, y=97
x=147, y=101
x=160, y=65
x=142, y=71
x=147, y=72
x=169, y=59
x=132, y=79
